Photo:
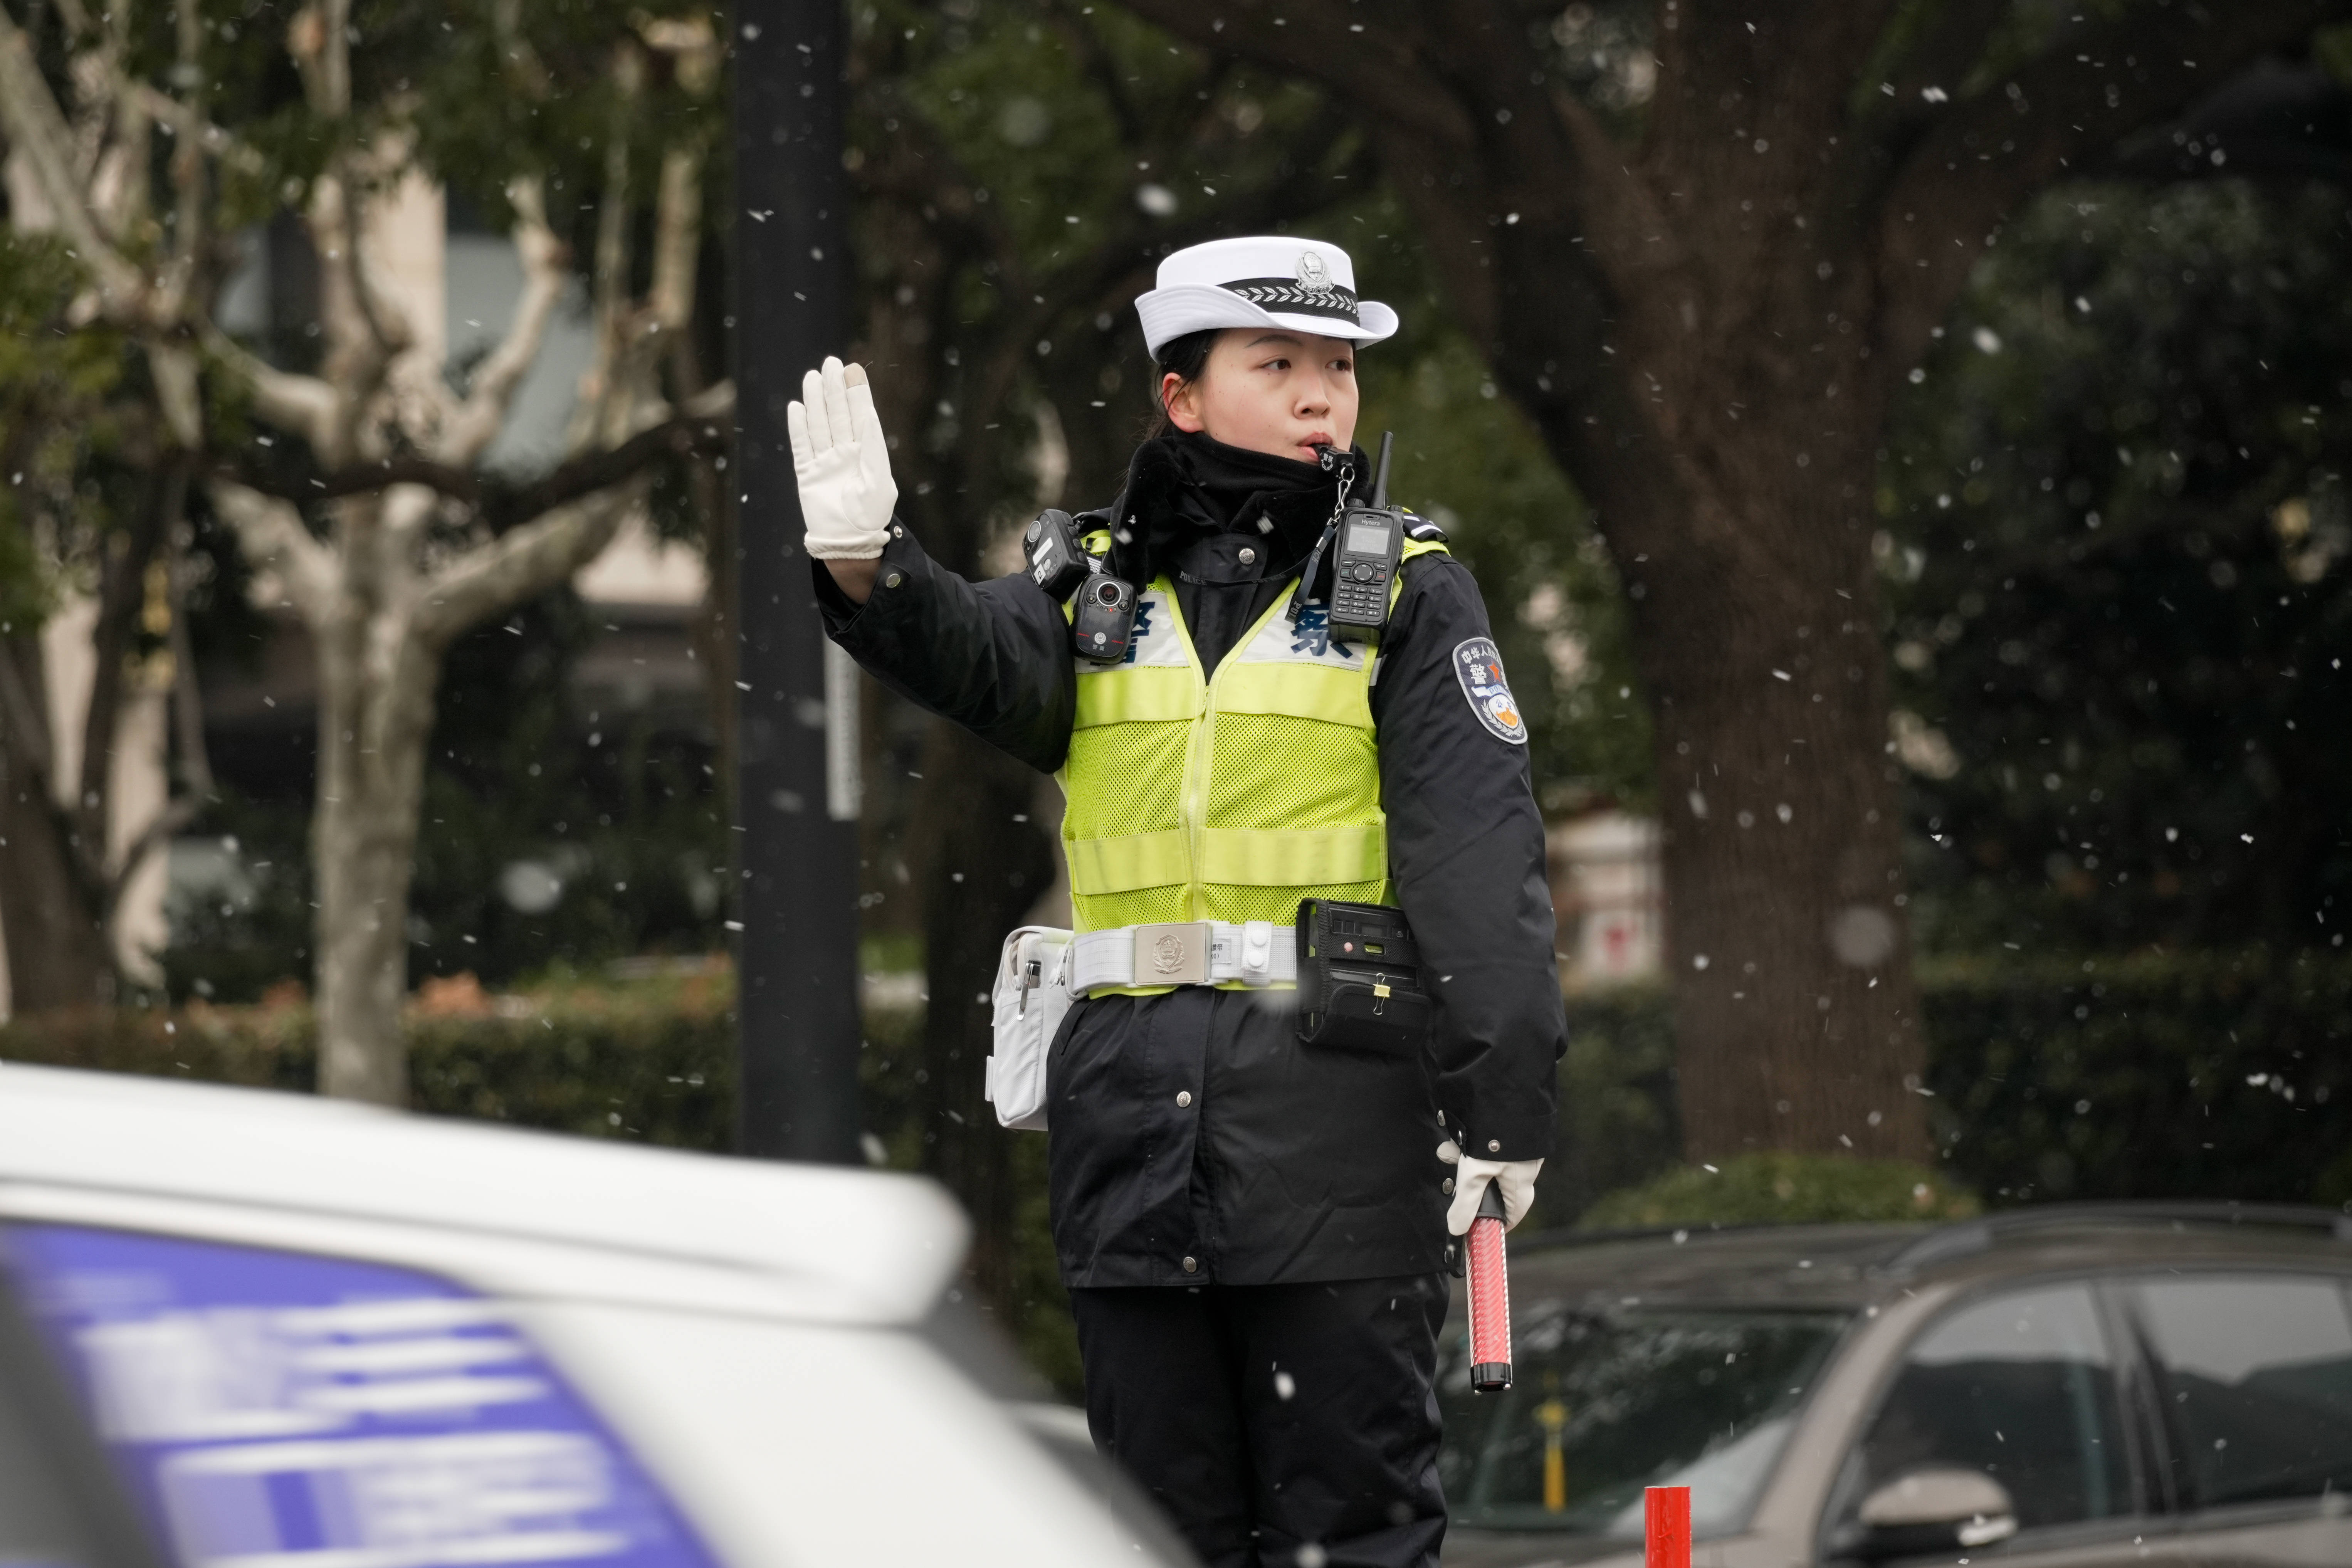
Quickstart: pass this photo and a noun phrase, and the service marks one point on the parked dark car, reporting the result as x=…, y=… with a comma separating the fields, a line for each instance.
x=2073, y=1387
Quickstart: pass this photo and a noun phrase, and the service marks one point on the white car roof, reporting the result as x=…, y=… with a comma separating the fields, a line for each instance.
x=523, y=1211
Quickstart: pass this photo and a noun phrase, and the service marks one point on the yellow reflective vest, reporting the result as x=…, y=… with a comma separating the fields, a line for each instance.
x=1230, y=797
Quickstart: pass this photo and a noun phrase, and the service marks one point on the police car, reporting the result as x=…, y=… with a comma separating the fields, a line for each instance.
x=242, y=1329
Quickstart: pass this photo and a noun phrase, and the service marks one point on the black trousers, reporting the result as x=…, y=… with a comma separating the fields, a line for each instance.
x=1281, y=1426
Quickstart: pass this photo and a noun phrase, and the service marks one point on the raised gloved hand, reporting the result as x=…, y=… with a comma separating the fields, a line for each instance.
x=1515, y=1177
x=843, y=462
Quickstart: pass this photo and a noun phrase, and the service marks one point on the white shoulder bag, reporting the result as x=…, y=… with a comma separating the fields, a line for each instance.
x=1030, y=995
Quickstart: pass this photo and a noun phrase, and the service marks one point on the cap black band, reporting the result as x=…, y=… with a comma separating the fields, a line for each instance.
x=1289, y=295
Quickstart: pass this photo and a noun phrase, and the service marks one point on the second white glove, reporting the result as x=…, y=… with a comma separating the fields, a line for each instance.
x=1516, y=1178
x=843, y=462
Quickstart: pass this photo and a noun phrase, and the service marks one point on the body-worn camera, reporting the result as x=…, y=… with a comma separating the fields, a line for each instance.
x=1361, y=984
x=1058, y=561
x=1102, y=628
x=1102, y=621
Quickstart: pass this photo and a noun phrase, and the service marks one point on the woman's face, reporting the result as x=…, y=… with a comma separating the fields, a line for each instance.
x=1270, y=391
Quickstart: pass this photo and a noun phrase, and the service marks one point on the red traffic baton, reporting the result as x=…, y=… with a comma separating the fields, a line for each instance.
x=1490, y=1298
x=1666, y=1517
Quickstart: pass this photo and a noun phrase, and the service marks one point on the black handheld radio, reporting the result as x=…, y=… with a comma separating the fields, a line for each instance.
x=1364, y=565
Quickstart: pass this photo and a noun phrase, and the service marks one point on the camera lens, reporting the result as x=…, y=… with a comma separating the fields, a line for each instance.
x=1107, y=594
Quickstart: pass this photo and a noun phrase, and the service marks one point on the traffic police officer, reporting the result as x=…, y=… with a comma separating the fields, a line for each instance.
x=1253, y=1231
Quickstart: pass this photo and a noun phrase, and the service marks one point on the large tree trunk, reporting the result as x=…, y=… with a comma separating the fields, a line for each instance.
x=374, y=718
x=57, y=950
x=1794, y=1006
x=1731, y=473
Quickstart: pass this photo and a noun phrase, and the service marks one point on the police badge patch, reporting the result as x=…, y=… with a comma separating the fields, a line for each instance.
x=1479, y=667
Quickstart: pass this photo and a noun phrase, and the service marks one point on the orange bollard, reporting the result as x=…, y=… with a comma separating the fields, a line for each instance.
x=1665, y=1512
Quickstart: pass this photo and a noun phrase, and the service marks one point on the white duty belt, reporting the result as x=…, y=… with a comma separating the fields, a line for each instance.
x=1183, y=952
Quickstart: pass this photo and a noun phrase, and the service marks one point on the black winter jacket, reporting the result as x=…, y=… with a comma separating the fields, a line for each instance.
x=1193, y=1136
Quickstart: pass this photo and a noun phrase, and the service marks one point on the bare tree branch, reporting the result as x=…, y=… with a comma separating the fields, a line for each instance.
x=226, y=145
x=480, y=418
x=187, y=696
x=190, y=186
x=38, y=130
x=319, y=38
x=303, y=406
x=270, y=532
x=1942, y=57
x=174, y=367
x=522, y=564
x=2279, y=119
x=122, y=595
x=678, y=241
x=702, y=426
x=601, y=385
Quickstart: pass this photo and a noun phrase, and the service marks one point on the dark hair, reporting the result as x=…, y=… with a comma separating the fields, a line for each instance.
x=1185, y=358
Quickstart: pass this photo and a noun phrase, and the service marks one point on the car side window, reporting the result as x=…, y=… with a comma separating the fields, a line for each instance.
x=2019, y=1389
x=2254, y=1375
x=266, y=1406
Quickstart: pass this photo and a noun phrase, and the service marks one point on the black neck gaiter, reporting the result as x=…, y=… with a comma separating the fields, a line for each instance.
x=1183, y=486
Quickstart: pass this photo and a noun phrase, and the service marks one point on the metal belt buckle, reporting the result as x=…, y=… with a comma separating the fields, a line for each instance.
x=1175, y=952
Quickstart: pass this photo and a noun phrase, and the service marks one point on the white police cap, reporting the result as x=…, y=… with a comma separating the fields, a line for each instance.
x=1261, y=280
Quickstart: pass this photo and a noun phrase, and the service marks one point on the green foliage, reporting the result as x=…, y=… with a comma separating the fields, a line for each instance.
x=1776, y=1188
x=2120, y=533
x=54, y=385
x=1469, y=458
x=2155, y=1075
x=1618, y=1122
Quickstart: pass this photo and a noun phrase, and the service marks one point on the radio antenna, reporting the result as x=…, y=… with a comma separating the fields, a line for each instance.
x=1381, y=474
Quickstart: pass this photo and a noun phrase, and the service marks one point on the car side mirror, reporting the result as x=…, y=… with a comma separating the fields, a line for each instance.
x=1934, y=1509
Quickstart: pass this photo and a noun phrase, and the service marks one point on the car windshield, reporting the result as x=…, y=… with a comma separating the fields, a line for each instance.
x=1608, y=1402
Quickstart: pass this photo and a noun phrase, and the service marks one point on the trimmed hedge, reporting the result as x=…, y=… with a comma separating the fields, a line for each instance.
x=2204, y=1075
x=2196, y=1076
x=1787, y=1189
x=2154, y=1075
x=651, y=1062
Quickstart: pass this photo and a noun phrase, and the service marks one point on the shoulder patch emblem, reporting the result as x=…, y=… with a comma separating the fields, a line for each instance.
x=1479, y=667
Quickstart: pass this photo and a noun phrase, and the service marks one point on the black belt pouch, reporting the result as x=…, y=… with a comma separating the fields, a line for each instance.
x=1360, y=985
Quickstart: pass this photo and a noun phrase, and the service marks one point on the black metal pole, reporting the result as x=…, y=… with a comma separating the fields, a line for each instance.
x=796, y=785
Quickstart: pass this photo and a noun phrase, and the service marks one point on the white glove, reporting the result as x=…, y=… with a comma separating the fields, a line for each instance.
x=843, y=461
x=1515, y=1177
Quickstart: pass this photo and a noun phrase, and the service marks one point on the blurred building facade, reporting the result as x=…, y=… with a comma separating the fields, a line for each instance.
x=1608, y=893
